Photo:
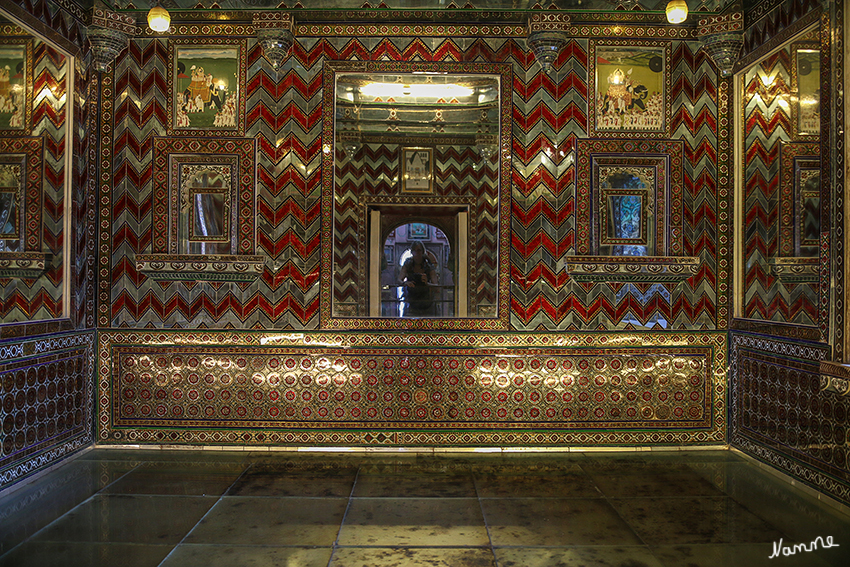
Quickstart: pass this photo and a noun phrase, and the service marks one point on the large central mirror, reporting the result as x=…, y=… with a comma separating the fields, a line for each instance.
x=416, y=197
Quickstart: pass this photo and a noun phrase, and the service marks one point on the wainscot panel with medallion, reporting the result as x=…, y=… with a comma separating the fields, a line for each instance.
x=459, y=389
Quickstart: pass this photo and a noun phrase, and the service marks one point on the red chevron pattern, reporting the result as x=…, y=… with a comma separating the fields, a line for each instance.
x=283, y=114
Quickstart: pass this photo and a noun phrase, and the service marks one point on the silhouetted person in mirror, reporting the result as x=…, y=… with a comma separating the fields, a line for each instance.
x=417, y=274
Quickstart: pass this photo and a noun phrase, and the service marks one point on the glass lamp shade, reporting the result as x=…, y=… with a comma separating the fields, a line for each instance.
x=546, y=46
x=106, y=45
x=159, y=19
x=276, y=44
x=677, y=11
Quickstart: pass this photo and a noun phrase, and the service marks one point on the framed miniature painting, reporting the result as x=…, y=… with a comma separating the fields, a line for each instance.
x=630, y=89
x=805, y=91
x=207, y=87
x=417, y=170
x=418, y=231
x=15, y=85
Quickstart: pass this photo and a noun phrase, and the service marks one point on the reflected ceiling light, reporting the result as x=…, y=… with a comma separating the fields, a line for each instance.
x=386, y=90
x=677, y=11
x=159, y=20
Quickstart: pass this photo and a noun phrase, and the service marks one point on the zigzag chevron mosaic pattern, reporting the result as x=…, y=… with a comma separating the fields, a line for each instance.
x=283, y=111
x=768, y=124
x=774, y=22
x=27, y=299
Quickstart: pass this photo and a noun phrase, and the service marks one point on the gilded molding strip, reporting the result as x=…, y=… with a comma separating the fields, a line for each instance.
x=200, y=267
x=725, y=203
x=838, y=195
x=835, y=377
x=795, y=270
x=659, y=269
x=323, y=30
x=105, y=174
x=779, y=329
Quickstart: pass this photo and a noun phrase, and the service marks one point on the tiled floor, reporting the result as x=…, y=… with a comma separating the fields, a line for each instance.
x=211, y=508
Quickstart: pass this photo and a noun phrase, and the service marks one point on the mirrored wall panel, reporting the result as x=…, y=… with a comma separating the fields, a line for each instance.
x=780, y=137
x=35, y=95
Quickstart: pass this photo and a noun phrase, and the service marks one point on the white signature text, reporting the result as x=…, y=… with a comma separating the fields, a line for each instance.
x=779, y=549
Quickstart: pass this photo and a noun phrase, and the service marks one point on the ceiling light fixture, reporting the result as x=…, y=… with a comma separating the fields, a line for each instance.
x=677, y=11
x=434, y=90
x=159, y=20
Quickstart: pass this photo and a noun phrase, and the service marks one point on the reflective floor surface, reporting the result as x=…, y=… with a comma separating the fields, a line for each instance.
x=137, y=508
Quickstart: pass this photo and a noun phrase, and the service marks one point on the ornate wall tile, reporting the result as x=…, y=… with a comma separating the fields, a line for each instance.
x=47, y=402
x=256, y=388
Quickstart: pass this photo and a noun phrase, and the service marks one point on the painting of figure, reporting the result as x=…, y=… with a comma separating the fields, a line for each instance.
x=206, y=95
x=12, y=87
x=629, y=90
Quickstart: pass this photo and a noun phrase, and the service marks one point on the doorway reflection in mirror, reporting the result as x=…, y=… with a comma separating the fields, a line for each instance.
x=420, y=283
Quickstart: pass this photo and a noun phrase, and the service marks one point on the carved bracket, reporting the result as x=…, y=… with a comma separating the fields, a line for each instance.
x=22, y=264
x=655, y=269
x=199, y=267
x=835, y=378
x=795, y=270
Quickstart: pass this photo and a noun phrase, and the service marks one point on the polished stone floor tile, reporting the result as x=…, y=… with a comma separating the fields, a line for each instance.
x=800, y=516
x=31, y=507
x=271, y=521
x=603, y=556
x=129, y=519
x=514, y=482
x=180, y=479
x=208, y=555
x=667, y=521
x=748, y=555
x=388, y=522
x=77, y=554
x=554, y=522
x=411, y=557
x=266, y=483
x=683, y=483
x=415, y=485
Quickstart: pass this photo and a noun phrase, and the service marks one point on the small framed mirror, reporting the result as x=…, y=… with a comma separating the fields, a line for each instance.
x=416, y=195
x=205, y=215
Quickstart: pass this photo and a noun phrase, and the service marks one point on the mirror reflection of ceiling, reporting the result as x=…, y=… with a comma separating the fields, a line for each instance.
x=417, y=104
x=589, y=5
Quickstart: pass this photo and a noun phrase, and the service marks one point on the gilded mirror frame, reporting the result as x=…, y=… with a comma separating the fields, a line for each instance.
x=330, y=70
